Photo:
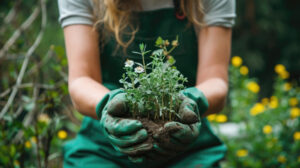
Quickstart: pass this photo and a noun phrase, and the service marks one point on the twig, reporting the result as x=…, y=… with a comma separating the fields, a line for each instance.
x=18, y=32
x=38, y=146
x=48, y=146
x=27, y=85
x=36, y=67
x=18, y=112
x=13, y=56
x=54, y=155
x=64, y=75
x=68, y=112
x=6, y=92
x=9, y=17
x=29, y=117
x=26, y=60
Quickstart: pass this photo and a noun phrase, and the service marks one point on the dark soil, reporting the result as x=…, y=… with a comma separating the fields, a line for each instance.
x=158, y=135
x=154, y=128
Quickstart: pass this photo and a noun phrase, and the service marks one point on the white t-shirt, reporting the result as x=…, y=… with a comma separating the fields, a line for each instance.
x=217, y=12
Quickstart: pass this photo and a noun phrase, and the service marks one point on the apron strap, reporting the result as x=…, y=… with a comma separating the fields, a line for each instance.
x=178, y=12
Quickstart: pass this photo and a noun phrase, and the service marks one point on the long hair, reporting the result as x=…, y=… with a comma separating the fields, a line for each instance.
x=115, y=16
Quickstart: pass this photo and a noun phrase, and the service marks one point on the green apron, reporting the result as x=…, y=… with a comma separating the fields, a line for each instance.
x=90, y=149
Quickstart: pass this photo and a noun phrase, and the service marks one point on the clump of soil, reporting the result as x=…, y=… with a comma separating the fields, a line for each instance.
x=155, y=129
x=158, y=135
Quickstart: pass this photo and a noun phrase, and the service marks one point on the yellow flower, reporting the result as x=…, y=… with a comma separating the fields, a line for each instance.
x=257, y=109
x=242, y=153
x=297, y=136
x=265, y=101
x=28, y=144
x=287, y=86
x=62, y=134
x=279, y=68
x=244, y=70
x=33, y=139
x=284, y=75
x=267, y=129
x=253, y=87
x=221, y=118
x=16, y=163
x=281, y=71
x=211, y=117
x=236, y=61
x=295, y=112
x=273, y=102
x=44, y=118
x=281, y=159
x=293, y=101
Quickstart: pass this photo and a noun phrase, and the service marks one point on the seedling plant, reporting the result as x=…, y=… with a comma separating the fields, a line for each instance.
x=153, y=89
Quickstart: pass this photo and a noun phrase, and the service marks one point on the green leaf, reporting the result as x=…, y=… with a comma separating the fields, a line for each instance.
x=134, y=52
x=59, y=50
x=159, y=41
x=158, y=52
x=142, y=46
x=171, y=60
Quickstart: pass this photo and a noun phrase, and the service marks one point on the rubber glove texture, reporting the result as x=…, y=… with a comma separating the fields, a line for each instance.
x=184, y=132
x=125, y=135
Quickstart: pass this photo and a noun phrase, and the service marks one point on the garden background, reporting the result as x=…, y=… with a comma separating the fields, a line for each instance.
x=262, y=112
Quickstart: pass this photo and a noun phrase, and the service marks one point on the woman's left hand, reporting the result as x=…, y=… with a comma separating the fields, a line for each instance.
x=175, y=136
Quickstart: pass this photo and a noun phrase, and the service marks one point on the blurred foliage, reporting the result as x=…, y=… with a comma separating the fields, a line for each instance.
x=268, y=128
x=41, y=118
x=267, y=33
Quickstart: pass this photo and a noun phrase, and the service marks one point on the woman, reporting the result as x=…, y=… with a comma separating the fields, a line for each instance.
x=96, y=58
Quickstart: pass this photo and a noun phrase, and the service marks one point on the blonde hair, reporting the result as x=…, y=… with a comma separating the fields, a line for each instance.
x=115, y=16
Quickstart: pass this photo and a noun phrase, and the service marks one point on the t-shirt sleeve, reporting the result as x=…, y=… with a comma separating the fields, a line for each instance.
x=219, y=12
x=75, y=12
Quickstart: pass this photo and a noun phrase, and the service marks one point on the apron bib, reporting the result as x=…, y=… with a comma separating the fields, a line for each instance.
x=90, y=149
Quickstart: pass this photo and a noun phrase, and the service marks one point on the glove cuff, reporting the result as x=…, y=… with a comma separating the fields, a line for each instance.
x=103, y=102
x=198, y=96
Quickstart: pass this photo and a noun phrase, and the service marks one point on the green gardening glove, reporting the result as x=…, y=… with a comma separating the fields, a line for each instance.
x=126, y=135
x=183, y=133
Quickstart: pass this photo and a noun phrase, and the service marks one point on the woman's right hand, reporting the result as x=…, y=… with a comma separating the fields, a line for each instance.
x=126, y=135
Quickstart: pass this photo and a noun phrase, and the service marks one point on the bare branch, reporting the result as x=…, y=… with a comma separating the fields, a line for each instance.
x=10, y=16
x=69, y=113
x=26, y=60
x=28, y=85
x=18, y=32
x=36, y=67
x=64, y=75
x=6, y=92
x=18, y=112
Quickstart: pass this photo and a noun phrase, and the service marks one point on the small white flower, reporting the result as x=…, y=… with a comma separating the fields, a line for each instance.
x=129, y=63
x=139, y=69
x=44, y=118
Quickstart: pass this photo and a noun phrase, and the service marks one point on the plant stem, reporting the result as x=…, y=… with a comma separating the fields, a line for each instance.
x=38, y=146
x=143, y=56
x=170, y=113
x=171, y=50
x=162, y=110
x=157, y=109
